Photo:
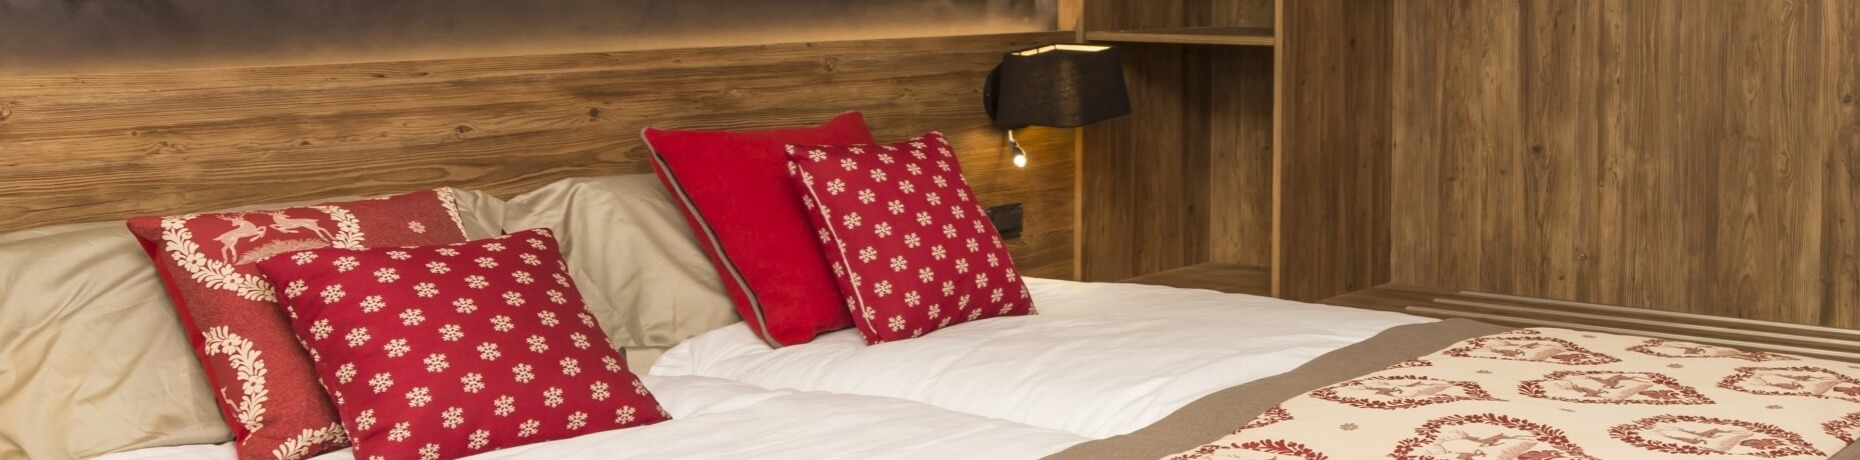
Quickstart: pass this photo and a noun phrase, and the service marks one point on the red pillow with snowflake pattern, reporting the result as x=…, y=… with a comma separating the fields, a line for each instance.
x=911, y=248
x=449, y=351
x=262, y=378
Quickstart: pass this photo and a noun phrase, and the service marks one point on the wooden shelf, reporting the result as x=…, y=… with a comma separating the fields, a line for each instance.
x=1231, y=36
x=1232, y=278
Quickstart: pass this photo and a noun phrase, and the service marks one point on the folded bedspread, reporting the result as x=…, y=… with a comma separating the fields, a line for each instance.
x=1459, y=389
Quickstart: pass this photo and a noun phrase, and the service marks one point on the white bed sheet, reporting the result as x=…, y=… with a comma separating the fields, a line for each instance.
x=1101, y=359
x=720, y=419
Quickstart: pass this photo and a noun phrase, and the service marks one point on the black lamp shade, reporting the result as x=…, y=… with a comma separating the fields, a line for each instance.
x=1062, y=86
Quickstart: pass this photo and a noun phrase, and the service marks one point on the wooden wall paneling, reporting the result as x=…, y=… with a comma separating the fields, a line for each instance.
x=1675, y=155
x=1333, y=125
x=1240, y=156
x=97, y=147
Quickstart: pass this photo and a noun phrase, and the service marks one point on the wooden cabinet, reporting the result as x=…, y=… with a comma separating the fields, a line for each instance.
x=1257, y=143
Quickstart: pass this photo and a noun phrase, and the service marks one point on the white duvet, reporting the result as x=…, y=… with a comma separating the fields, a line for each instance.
x=719, y=419
x=1101, y=359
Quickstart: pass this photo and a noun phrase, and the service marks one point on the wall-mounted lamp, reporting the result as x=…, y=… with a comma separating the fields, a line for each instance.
x=1062, y=86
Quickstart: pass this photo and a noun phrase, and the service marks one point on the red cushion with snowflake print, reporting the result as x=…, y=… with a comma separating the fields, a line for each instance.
x=448, y=351
x=263, y=379
x=732, y=189
x=911, y=248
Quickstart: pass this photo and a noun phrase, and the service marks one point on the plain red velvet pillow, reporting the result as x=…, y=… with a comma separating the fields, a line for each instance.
x=263, y=379
x=909, y=244
x=733, y=188
x=449, y=351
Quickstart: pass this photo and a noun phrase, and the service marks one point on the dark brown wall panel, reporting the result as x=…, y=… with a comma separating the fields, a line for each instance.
x=1668, y=154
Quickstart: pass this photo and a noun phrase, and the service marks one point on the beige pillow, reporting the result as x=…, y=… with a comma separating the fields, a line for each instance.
x=638, y=265
x=96, y=358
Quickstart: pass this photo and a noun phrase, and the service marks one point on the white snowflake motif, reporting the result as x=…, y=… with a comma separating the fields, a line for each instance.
x=295, y=288
x=886, y=158
x=1011, y=275
x=479, y=439
x=365, y=420
x=913, y=298
x=436, y=362
x=906, y=187
x=452, y=417
x=995, y=296
x=513, y=298
x=333, y=293
x=381, y=382
x=981, y=280
x=373, y=304
x=978, y=226
x=883, y=229
x=524, y=373
x=878, y=175
x=949, y=231
x=958, y=213
x=898, y=264
x=949, y=288
x=807, y=179
x=923, y=218
x=494, y=247
x=557, y=297
x=962, y=303
x=346, y=263
x=486, y=262
x=425, y=290
x=935, y=311
x=531, y=259
x=401, y=432
x=962, y=265
x=896, y=323
x=536, y=244
x=937, y=252
x=538, y=344
x=476, y=282
x=912, y=241
x=577, y=420
x=848, y=164
x=919, y=154
x=962, y=194
x=303, y=258
x=599, y=391
x=868, y=254
x=926, y=274
x=552, y=397
x=883, y=288
x=895, y=206
x=357, y=336
x=473, y=382
x=943, y=165
x=995, y=261
x=448, y=252
x=501, y=323
x=561, y=279
x=836, y=187
x=850, y=220
x=430, y=451
x=625, y=415
x=581, y=340
x=914, y=169
x=639, y=388
x=412, y=317
x=838, y=269
x=399, y=255
x=570, y=367
x=345, y=373
x=396, y=348
x=321, y=329
x=464, y=305
x=919, y=145
x=451, y=332
x=817, y=155
x=522, y=277
x=940, y=181
x=438, y=268
x=586, y=319
x=528, y=428
x=866, y=196
x=807, y=201
x=612, y=365
x=972, y=245
x=505, y=406
x=866, y=311
x=387, y=275
x=547, y=318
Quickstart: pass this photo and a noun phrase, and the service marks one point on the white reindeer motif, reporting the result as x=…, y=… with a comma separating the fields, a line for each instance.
x=242, y=230
x=286, y=224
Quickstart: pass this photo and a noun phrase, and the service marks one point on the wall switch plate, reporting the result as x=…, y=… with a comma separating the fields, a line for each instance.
x=1007, y=219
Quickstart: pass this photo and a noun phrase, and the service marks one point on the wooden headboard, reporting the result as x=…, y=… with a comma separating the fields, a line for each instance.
x=100, y=147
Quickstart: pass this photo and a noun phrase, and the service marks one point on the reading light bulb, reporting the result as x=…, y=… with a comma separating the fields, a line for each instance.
x=1020, y=158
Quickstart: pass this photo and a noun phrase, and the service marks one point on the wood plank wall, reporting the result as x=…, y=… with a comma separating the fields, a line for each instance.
x=97, y=147
x=1679, y=155
x=1185, y=178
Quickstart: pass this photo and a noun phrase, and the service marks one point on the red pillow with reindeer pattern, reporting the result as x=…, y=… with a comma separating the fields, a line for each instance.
x=263, y=378
x=911, y=248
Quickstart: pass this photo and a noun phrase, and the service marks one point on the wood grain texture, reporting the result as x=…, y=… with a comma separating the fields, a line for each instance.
x=98, y=147
x=1685, y=156
x=1332, y=159
x=1213, y=276
x=1235, y=36
x=1148, y=197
